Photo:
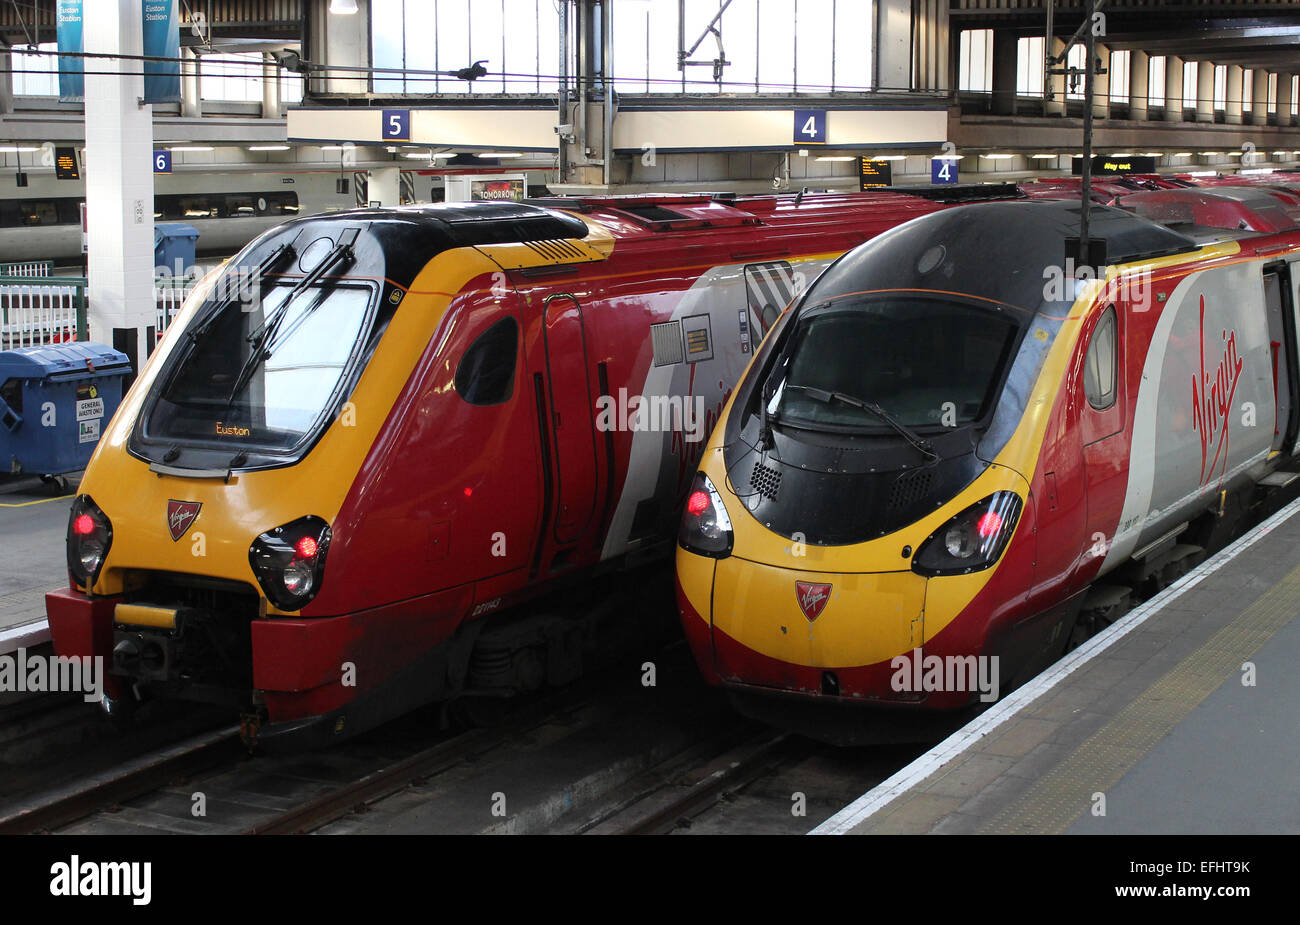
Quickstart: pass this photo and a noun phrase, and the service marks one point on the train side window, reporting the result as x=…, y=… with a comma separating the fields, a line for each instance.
x=486, y=373
x=1100, y=362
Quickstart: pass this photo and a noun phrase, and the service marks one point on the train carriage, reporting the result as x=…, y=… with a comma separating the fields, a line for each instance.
x=956, y=443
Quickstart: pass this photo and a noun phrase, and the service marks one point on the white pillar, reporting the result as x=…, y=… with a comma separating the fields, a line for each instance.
x=384, y=186
x=1056, y=105
x=119, y=184
x=1173, y=89
x=1232, y=106
x=1139, y=79
x=1205, y=91
x=1259, y=98
x=1284, y=116
x=1101, y=85
x=191, y=100
x=270, y=87
x=6, y=81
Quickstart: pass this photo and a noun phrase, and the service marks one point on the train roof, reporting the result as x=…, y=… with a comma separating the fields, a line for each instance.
x=1217, y=212
x=999, y=251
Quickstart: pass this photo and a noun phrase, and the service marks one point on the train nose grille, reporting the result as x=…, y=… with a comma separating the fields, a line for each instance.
x=766, y=481
x=909, y=488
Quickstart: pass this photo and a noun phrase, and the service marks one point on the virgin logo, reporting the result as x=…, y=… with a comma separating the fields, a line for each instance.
x=812, y=598
x=180, y=514
x=1212, y=392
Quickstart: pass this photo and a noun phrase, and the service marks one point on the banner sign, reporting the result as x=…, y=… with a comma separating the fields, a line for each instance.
x=162, y=39
x=497, y=189
x=72, y=76
x=1110, y=165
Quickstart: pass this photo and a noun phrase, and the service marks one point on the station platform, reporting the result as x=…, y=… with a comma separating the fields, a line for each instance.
x=33, y=528
x=1182, y=719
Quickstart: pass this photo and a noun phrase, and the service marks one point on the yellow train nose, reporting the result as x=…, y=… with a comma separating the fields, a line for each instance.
x=819, y=619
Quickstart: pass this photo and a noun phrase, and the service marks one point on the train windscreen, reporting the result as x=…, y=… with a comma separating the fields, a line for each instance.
x=925, y=362
x=263, y=379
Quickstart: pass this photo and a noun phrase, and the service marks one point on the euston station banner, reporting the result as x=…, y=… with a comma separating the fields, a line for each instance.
x=72, y=78
x=162, y=39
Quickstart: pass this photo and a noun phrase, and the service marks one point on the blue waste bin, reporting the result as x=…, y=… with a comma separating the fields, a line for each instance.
x=55, y=401
x=173, y=246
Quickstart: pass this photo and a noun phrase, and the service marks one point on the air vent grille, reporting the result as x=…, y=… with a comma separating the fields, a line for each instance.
x=765, y=480
x=558, y=250
x=910, y=487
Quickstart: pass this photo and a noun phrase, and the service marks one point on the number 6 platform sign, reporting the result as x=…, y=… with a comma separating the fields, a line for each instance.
x=810, y=126
x=397, y=125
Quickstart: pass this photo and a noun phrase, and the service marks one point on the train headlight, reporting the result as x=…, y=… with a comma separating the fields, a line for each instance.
x=289, y=561
x=89, y=536
x=972, y=540
x=706, y=528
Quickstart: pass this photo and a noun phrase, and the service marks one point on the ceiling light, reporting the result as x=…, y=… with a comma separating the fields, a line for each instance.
x=1152, y=154
x=1208, y=153
x=890, y=157
x=946, y=157
x=838, y=157
x=1121, y=154
x=268, y=147
x=14, y=149
x=1043, y=157
x=1182, y=154
x=191, y=148
x=997, y=157
x=343, y=7
x=499, y=154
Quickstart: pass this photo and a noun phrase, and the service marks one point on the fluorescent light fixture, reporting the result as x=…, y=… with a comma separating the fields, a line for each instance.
x=425, y=155
x=499, y=154
x=1121, y=154
x=997, y=157
x=946, y=157
x=191, y=148
x=1208, y=153
x=1281, y=153
x=15, y=149
x=268, y=147
x=334, y=147
x=1076, y=155
x=1152, y=154
x=1044, y=157
x=838, y=157
x=890, y=157
x=1182, y=154
x=803, y=152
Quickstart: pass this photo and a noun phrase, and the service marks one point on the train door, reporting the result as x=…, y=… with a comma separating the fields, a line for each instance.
x=571, y=418
x=1280, y=305
x=1101, y=424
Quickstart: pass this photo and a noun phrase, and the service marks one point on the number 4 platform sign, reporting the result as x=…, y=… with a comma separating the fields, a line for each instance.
x=810, y=126
x=943, y=170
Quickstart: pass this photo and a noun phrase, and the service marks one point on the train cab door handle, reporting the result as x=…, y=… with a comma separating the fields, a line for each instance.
x=1049, y=486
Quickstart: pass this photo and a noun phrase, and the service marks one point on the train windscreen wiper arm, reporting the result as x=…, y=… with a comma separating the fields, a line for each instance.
x=912, y=437
x=261, y=338
x=263, y=270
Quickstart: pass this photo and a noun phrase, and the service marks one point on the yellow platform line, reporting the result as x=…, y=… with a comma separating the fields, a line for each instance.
x=1062, y=795
x=41, y=501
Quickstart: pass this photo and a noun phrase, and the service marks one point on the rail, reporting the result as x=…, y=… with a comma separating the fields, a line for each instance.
x=37, y=309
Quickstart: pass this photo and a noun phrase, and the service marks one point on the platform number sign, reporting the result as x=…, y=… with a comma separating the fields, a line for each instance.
x=396, y=125
x=943, y=170
x=162, y=161
x=810, y=126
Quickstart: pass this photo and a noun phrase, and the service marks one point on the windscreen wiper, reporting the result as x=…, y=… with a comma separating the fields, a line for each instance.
x=919, y=443
x=261, y=338
x=264, y=269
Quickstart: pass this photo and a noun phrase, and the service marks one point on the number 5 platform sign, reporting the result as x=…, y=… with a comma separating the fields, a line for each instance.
x=810, y=126
x=397, y=125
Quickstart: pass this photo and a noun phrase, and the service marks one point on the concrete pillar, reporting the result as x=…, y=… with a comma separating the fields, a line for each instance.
x=343, y=41
x=1101, y=85
x=6, y=82
x=893, y=44
x=385, y=186
x=119, y=183
x=1205, y=91
x=1232, y=106
x=1259, y=98
x=1139, y=77
x=1004, y=72
x=191, y=99
x=1173, y=89
x=1057, y=82
x=1284, y=99
x=270, y=87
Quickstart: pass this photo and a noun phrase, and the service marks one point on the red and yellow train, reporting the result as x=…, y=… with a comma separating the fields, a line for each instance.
x=327, y=488
x=954, y=444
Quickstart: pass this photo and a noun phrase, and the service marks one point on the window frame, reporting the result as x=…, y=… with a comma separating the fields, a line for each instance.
x=1110, y=395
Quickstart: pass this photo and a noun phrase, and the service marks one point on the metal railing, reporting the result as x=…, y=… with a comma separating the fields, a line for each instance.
x=49, y=311
x=27, y=268
x=38, y=310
